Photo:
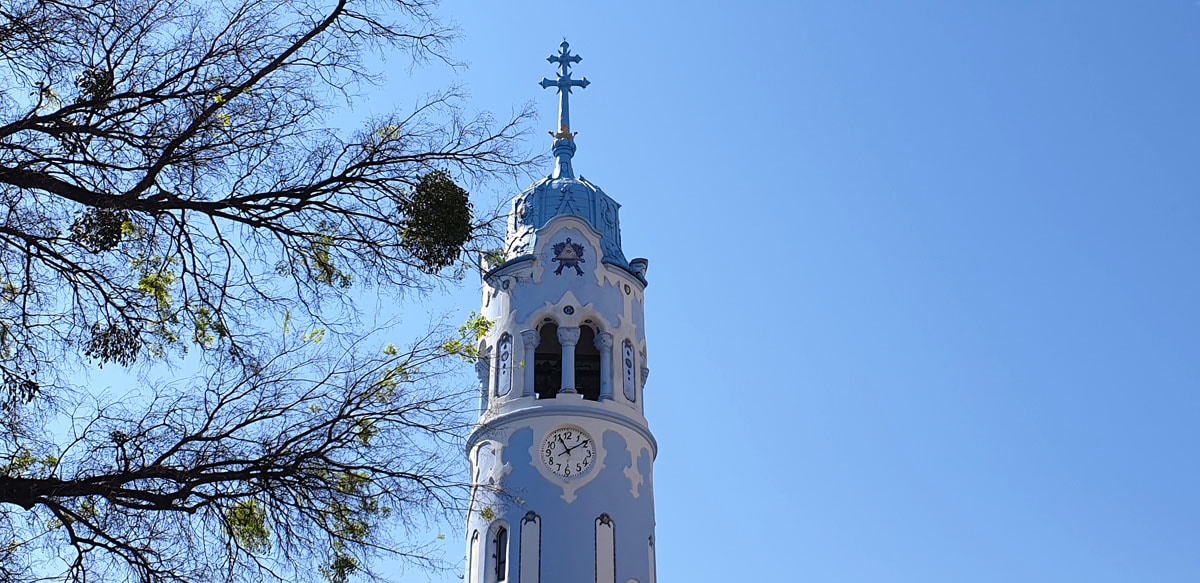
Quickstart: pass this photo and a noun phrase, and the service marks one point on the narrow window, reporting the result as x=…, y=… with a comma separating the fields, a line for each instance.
x=500, y=550
x=587, y=365
x=472, y=559
x=547, y=366
x=531, y=548
x=483, y=369
x=653, y=569
x=606, y=555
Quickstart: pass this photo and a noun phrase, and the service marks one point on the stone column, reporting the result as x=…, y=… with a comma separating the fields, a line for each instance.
x=530, y=339
x=604, y=343
x=568, y=336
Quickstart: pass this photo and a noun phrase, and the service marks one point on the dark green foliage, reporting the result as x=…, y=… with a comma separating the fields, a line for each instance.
x=113, y=343
x=99, y=229
x=437, y=222
x=19, y=385
x=95, y=84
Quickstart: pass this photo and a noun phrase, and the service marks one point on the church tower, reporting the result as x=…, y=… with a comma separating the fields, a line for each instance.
x=562, y=456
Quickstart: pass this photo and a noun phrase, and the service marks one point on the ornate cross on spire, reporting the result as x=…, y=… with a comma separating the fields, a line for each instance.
x=564, y=82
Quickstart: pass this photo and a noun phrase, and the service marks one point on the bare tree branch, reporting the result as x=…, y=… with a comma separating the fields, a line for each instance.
x=168, y=179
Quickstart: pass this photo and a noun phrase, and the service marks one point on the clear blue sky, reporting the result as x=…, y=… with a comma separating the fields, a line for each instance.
x=925, y=275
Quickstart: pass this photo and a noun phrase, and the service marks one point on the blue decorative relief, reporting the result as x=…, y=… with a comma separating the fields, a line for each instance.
x=629, y=379
x=504, y=375
x=568, y=254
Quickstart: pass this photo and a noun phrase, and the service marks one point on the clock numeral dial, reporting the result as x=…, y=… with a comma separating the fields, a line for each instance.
x=568, y=452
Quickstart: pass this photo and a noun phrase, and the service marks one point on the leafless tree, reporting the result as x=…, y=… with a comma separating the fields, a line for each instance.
x=168, y=177
x=292, y=473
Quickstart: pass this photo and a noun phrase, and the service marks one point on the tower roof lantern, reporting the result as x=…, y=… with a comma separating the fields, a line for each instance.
x=562, y=193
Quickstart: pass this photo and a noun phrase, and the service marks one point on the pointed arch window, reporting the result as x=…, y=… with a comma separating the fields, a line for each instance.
x=531, y=548
x=500, y=554
x=473, y=559
x=606, y=551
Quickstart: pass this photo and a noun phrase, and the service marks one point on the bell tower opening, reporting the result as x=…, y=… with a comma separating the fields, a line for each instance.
x=587, y=365
x=547, y=363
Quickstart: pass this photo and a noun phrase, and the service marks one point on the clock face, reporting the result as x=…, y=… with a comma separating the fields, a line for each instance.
x=568, y=452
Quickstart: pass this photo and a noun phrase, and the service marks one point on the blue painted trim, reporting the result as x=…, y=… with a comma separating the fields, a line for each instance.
x=515, y=260
x=530, y=257
x=628, y=270
x=512, y=417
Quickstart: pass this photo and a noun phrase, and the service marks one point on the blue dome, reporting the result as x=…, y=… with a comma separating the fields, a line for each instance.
x=552, y=197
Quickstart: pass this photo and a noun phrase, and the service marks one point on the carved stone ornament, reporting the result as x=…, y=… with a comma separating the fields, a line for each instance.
x=504, y=374
x=568, y=254
x=568, y=335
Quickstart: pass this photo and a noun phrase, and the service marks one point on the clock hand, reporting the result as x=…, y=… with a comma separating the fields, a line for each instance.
x=566, y=449
x=578, y=444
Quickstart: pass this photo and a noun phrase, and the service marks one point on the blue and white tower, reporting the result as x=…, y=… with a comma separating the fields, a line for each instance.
x=562, y=457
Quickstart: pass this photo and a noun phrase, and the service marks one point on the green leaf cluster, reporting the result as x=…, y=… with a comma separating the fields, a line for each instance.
x=24, y=463
x=340, y=568
x=95, y=84
x=437, y=221
x=113, y=343
x=466, y=344
x=246, y=522
x=322, y=262
x=99, y=230
x=207, y=328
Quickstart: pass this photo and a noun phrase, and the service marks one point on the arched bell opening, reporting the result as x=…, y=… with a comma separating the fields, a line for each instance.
x=547, y=363
x=587, y=365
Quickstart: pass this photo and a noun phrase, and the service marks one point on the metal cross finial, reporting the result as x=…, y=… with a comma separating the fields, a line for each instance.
x=564, y=83
x=564, y=58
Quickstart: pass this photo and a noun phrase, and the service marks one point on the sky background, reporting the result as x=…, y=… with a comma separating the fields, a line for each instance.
x=924, y=298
